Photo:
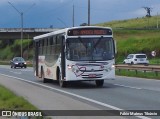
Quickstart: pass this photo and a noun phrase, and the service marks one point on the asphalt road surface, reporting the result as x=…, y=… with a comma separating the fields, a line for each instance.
x=123, y=93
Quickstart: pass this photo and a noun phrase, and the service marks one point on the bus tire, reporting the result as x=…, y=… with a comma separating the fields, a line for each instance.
x=61, y=82
x=99, y=83
x=42, y=76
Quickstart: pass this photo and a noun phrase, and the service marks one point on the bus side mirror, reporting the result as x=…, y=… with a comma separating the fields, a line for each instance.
x=115, y=46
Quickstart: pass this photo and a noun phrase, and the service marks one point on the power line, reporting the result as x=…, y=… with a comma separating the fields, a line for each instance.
x=21, y=15
x=53, y=10
x=62, y=22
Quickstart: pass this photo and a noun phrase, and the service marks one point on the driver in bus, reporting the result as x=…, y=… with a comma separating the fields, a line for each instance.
x=98, y=51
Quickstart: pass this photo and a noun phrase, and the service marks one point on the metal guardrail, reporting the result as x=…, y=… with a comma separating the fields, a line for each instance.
x=136, y=68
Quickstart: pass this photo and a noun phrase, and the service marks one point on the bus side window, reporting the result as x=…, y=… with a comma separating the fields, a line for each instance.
x=54, y=45
x=46, y=48
x=42, y=45
x=50, y=44
x=37, y=44
x=58, y=45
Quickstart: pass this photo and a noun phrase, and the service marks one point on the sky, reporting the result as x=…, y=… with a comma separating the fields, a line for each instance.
x=59, y=13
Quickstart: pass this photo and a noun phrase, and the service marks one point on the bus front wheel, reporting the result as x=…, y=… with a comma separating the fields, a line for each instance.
x=61, y=82
x=99, y=83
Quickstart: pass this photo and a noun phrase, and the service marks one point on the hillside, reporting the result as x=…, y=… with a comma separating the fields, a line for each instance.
x=145, y=22
x=138, y=35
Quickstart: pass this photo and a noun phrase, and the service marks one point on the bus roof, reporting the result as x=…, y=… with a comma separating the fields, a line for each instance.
x=65, y=30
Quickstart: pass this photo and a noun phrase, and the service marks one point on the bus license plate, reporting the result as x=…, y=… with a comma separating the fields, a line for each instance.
x=92, y=75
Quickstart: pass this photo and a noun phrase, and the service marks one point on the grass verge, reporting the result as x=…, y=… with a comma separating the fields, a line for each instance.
x=10, y=101
x=140, y=74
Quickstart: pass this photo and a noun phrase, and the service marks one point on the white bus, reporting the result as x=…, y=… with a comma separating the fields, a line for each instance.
x=75, y=54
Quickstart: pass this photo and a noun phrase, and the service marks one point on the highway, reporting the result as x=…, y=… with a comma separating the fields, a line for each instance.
x=122, y=93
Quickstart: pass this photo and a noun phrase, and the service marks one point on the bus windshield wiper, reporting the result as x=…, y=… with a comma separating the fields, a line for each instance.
x=97, y=42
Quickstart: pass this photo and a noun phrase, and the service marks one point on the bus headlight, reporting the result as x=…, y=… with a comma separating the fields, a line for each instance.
x=69, y=67
x=73, y=68
x=113, y=66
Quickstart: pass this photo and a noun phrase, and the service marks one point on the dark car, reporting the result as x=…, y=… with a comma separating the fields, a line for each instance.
x=18, y=62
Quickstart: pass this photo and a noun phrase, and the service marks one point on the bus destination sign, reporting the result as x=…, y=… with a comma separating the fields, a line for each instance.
x=89, y=31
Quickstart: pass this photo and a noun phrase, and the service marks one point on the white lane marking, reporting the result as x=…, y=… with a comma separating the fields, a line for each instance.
x=16, y=72
x=20, y=71
x=29, y=70
x=75, y=95
x=127, y=86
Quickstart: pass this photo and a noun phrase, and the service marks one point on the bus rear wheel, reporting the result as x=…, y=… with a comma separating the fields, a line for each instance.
x=99, y=83
x=42, y=76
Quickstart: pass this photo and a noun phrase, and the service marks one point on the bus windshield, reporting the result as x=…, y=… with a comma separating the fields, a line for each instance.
x=90, y=49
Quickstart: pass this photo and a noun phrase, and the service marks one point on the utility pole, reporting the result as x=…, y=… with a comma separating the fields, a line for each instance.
x=73, y=15
x=88, y=12
x=157, y=21
x=21, y=15
x=21, y=34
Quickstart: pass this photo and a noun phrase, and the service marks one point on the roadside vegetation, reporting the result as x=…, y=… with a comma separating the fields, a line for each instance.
x=139, y=35
x=141, y=41
x=140, y=74
x=9, y=101
x=136, y=23
x=12, y=48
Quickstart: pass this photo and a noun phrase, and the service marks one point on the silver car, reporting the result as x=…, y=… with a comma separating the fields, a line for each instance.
x=136, y=59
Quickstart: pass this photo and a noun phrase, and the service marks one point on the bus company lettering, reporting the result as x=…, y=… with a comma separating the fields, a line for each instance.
x=89, y=32
x=100, y=32
x=85, y=32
